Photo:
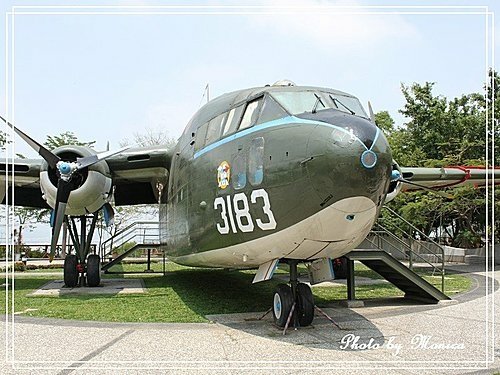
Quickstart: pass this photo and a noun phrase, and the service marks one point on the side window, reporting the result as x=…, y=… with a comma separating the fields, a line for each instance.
x=270, y=111
x=238, y=173
x=250, y=115
x=233, y=119
x=256, y=162
x=214, y=128
x=200, y=136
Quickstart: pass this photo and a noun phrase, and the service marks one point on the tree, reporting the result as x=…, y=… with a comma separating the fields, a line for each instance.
x=441, y=132
x=66, y=138
x=385, y=122
x=151, y=137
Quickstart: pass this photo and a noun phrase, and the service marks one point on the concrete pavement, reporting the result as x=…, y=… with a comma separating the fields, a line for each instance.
x=386, y=337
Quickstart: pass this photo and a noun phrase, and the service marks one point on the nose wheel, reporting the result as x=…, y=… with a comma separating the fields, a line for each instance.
x=293, y=304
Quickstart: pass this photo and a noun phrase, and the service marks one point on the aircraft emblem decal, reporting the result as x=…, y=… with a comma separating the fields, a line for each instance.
x=223, y=174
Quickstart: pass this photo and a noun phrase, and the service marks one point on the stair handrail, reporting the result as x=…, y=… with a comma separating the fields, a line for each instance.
x=415, y=228
x=434, y=267
x=128, y=233
x=425, y=237
x=422, y=243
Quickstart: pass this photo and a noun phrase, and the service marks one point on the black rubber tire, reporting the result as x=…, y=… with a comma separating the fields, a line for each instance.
x=340, y=268
x=93, y=270
x=305, y=304
x=282, y=304
x=70, y=271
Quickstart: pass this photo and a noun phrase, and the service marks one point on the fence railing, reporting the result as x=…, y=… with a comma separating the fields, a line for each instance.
x=138, y=233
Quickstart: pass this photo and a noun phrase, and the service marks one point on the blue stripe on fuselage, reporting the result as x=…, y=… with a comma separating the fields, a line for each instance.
x=266, y=125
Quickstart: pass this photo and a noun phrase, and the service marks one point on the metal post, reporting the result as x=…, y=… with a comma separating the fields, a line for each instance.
x=293, y=283
x=351, y=293
x=149, y=260
x=64, y=239
x=83, y=235
x=164, y=271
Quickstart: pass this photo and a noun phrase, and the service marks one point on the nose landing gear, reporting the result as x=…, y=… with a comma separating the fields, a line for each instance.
x=293, y=304
x=82, y=268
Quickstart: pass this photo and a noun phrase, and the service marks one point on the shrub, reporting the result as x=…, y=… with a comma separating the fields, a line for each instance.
x=19, y=267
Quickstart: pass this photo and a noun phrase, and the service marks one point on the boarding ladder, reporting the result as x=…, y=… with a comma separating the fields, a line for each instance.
x=392, y=237
x=138, y=235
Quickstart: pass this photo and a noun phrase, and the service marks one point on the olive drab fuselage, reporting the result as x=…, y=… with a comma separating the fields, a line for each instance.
x=251, y=181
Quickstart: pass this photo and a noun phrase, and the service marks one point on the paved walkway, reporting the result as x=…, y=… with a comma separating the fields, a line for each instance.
x=386, y=337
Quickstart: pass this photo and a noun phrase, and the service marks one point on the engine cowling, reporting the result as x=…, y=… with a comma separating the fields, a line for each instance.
x=93, y=185
x=396, y=185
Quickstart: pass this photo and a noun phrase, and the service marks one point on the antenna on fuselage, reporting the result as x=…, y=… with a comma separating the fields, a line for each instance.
x=206, y=92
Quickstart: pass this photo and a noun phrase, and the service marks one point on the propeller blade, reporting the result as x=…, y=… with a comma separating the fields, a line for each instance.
x=63, y=191
x=49, y=157
x=440, y=193
x=92, y=159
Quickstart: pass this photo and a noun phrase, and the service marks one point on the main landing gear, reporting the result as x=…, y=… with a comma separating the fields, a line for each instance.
x=294, y=304
x=82, y=268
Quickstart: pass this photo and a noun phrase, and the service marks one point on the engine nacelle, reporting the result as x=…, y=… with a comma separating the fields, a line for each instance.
x=93, y=184
x=396, y=185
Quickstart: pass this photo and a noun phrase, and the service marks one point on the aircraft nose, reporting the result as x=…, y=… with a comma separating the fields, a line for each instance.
x=348, y=160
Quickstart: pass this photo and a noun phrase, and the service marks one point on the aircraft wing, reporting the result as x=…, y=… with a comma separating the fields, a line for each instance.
x=440, y=178
x=134, y=174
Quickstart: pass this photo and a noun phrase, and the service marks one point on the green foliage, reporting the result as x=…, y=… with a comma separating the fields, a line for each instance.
x=19, y=267
x=384, y=121
x=440, y=132
x=66, y=138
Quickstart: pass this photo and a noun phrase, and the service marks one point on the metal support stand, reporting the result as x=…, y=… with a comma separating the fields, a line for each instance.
x=265, y=314
x=327, y=317
x=149, y=261
x=290, y=315
x=294, y=281
x=351, y=293
x=164, y=268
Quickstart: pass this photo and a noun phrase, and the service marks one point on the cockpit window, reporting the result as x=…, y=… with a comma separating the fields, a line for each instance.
x=250, y=115
x=270, y=111
x=297, y=102
x=214, y=128
x=233, y=119
x=348, y=104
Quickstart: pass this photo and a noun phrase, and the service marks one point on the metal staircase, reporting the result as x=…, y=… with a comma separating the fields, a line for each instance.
x=385, y=243
x=138, y=235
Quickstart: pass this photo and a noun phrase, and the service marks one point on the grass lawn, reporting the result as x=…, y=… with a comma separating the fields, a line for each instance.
x=185, y=295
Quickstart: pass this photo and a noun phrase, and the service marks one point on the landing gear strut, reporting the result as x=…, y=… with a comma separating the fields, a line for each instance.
x=294, y=304
x=81, y=268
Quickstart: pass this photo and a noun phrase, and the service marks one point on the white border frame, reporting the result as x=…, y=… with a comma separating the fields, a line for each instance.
x=242, y=10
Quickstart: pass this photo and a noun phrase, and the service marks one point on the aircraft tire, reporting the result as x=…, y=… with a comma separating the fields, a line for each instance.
x=305, y=304
x=340, y=268
x=282, y=304
x=70, y=271
x=93, y=270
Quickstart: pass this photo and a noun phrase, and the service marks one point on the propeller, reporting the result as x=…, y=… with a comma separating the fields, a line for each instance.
x=65, y=184
x=396, y=176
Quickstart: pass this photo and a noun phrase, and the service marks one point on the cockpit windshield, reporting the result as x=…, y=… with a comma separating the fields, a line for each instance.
x=297, y=102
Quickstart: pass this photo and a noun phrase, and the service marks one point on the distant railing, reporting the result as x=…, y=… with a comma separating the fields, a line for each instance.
x=138, y=233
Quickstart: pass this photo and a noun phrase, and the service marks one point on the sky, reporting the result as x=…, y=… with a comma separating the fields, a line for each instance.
x=108, y=76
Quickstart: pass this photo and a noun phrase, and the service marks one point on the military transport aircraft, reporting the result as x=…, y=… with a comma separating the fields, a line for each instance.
x=272, y=174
